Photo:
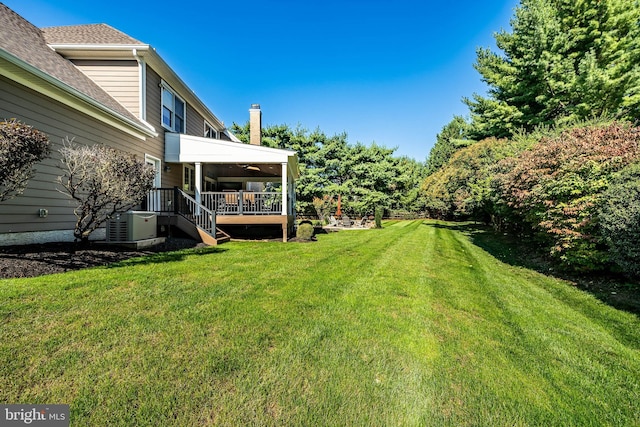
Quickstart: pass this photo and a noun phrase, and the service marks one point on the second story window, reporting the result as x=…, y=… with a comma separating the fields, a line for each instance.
x=209, y=131
x=173, y=111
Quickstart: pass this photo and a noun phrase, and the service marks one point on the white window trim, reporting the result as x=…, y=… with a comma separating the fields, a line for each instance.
x=165, y=86
x=215, y=131
x=157, y=163
x=212, y=182
x=184, y=178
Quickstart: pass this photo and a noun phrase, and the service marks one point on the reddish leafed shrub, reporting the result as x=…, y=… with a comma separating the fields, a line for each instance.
x=556, y=187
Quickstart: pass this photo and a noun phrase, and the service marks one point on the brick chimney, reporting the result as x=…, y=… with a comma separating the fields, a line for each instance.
x=255, y=125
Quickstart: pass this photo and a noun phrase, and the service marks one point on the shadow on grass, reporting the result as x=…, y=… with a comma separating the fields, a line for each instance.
x=164, y=257
x=609, y=288
x=43, y=259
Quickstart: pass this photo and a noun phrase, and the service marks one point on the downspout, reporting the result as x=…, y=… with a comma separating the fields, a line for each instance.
x=142, y=82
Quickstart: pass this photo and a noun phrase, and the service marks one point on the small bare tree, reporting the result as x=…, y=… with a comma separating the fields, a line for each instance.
x=21, y=146
x=323, y=206
x=103, y=181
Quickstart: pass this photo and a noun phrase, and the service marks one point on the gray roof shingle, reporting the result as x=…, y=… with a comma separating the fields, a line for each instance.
x=23, y=40
x=102, y=34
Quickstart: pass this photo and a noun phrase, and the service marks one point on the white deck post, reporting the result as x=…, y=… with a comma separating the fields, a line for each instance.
x=198, y=185
x=285, y=193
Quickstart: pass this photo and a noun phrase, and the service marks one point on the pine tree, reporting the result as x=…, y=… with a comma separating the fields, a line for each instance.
x=451, y=138
x=564, y=60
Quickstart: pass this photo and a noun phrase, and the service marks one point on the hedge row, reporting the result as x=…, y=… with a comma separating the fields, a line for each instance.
x=576, y=191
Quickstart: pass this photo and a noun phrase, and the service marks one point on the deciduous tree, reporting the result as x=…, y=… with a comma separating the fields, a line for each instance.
x=102, y=181
x=462, y=188
x=21, y=147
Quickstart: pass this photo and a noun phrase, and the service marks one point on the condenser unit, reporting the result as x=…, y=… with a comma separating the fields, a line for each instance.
x=131, y=226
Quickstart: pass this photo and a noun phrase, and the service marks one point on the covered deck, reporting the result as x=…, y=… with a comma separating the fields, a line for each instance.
x=242, y=184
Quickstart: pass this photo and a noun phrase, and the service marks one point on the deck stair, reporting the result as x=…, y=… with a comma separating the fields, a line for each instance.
x=197, y=220
x=221, y=236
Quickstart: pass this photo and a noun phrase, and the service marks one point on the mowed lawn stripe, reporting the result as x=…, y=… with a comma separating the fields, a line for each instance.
x=408, y=325
x=530, y=355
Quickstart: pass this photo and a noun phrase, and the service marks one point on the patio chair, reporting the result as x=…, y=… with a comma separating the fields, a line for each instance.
x=346, y=221
x=249, y=201
x=230, y=201
x=333, y=222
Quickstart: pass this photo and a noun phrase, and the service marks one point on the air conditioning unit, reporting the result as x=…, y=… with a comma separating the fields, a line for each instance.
x=131, y=226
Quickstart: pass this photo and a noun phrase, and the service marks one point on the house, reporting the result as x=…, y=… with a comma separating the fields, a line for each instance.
x=97, y=85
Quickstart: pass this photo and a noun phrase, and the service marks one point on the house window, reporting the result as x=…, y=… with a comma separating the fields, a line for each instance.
x=209, y=184
x=189, y=179
x=209, y=131
x=173, y=111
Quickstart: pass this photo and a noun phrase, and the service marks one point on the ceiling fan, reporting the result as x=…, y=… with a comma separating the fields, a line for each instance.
x=251, y=168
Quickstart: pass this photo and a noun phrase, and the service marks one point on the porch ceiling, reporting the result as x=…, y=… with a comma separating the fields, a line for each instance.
x=253, y=170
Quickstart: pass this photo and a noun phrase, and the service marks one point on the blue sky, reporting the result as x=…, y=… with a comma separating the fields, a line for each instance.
x=390, y=72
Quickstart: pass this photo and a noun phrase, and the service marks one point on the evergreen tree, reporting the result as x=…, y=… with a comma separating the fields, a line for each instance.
x=563, y=61
x=451, y=138
x=365, y=176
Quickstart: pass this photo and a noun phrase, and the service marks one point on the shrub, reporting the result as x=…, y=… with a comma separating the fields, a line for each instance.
x=462, y=188
x=557, y=186
x=21, y=146
x=103, y=181
x=305, y=231
x=619, y=217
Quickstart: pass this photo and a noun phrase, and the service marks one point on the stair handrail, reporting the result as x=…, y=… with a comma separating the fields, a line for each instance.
x=195, y=212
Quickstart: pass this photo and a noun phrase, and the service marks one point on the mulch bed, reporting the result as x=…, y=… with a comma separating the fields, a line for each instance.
x=49, y=258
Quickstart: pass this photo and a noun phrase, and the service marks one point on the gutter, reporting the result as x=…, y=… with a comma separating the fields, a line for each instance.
x=63, y=47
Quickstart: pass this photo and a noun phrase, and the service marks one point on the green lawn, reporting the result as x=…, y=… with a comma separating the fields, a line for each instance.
x=408, y=325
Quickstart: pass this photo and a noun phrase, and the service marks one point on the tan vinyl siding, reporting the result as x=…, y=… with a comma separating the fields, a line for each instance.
x=195, y=122
x=120, y=79
x=57, y=121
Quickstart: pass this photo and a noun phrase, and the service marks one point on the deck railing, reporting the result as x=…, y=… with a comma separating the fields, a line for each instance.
x=167, y=200
x=196, y=213
x=161, y=200
x=243, y=202
x=177, y=202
